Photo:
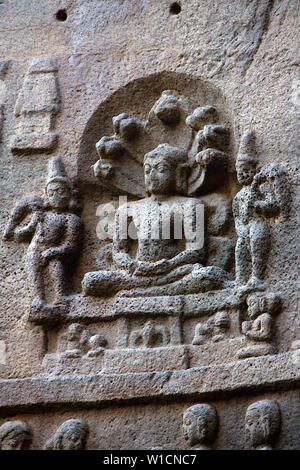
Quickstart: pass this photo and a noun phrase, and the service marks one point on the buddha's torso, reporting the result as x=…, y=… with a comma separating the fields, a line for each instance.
x=159, y=227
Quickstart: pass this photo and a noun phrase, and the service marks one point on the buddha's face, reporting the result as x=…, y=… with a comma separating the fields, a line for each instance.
x=72, y=440
x=194, y=429
x=256, y=427
x=58, y=195
x=13, y=441
x=245, y=172
x=160, y=176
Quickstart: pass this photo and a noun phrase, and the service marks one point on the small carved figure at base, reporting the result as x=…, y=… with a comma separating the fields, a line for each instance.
x=262, y=424
x=200, y=426
x=259, y=329
x=78, y=342
x=97, y=344
x=76, y=337
x=71, y=435
x=151, y=335
x=215, y=329
x=203, y=332
x=221, y=326
x=15, y=435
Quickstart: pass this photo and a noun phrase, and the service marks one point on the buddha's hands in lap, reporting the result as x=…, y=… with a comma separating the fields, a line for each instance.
x=164, y=266
x=145, y=268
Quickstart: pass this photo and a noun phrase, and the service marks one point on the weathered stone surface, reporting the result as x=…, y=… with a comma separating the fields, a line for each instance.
x=139, y=360
x=176, y=124
x=35, y=107
x=278, y=372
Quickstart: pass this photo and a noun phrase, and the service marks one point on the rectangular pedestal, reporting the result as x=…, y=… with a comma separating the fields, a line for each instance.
x=141, y=360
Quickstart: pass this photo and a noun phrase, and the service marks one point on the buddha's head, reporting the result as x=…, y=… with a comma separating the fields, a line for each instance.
x=166, y=170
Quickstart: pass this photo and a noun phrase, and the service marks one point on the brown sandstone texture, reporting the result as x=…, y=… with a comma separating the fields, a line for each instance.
x=149, y=159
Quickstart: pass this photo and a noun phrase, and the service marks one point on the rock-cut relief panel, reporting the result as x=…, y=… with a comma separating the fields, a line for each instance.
x=183, y=280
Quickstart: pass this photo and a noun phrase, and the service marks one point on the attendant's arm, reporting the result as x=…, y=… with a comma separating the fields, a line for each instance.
x=268, y=205
x=22, y=234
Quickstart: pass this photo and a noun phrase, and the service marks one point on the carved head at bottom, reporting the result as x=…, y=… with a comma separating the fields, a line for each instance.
x=71, y=435
x=262, y=424
x=15, y=435
x=200, y=425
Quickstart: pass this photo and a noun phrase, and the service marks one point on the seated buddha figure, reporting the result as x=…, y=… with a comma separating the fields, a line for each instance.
x=166, y=250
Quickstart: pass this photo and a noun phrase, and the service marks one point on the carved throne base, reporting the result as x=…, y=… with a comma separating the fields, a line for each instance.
x=129, y=360
x=168, y=358
x=55, y=364
x=193, y=305
x=151, y=334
